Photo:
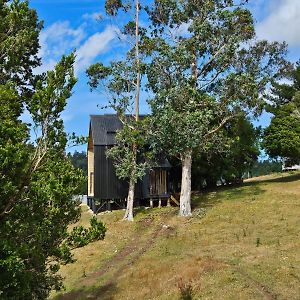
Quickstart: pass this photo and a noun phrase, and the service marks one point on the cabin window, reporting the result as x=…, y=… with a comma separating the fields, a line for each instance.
x=91, y=183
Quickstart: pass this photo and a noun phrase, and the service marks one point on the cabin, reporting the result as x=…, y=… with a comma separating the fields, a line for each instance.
x=290, y=167
x=105, y=190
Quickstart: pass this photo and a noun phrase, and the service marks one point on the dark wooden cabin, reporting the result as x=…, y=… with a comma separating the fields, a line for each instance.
x=105, y=190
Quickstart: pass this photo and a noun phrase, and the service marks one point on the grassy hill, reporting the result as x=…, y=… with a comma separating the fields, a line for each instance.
x=241, y=243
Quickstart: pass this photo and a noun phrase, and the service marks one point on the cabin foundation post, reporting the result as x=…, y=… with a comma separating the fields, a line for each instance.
x=108, y=205
x=159, y=202
x=168, y=202
x=151, y=202
x=93, y=205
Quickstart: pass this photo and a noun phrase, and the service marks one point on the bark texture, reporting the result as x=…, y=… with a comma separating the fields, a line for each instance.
x=129, y=209
x=185, y=195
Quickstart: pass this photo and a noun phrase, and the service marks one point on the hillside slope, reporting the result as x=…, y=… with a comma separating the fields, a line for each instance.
x=241, y=243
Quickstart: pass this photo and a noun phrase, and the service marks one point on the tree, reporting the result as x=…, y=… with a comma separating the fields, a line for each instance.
x=37, y=180
x=19, y=44
x=282, y=137
x=205, y=70
x=123, y=82
x=239, y=154
x=284, y=93
x=265, y=167
x=79, y=161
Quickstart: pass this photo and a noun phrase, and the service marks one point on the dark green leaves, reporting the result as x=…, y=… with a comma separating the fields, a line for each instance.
x=112, y=6
x=81, y=236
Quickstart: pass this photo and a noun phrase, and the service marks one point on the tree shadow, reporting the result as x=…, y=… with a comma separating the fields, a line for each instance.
x=283, y=179
x=210, y=198
x=105, y=292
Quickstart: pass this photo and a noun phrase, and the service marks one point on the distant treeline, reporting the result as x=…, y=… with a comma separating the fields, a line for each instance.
x=259, y=168
x=79, y=160
x=265, y=167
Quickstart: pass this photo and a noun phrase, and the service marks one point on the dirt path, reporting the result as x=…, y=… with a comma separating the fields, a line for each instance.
x=264, y=290
x=116, y=265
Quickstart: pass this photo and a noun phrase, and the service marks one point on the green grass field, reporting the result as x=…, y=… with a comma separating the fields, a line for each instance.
x=242, y=243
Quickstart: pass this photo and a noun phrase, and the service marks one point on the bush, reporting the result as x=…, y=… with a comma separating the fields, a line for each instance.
x=81, y=236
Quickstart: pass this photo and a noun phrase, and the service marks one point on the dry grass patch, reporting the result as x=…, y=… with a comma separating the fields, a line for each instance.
x=241, y=243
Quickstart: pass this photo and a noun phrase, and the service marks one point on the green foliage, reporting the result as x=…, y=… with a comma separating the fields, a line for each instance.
x=19, y=31
x=37, y=180
x=79, y=161
x=229, y=166
x=265, y=167
x=284, y=93
x=37, y=185
x=112, y=6
x=282, y=137
x=205, y=77
x=132, y=134
x=81, y=236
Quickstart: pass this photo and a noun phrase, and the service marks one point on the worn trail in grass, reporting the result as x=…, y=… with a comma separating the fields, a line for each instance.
x=241, y=243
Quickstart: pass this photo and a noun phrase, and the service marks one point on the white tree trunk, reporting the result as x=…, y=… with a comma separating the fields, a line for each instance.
x=137, y=58
x=129, y=209
x=185, y=195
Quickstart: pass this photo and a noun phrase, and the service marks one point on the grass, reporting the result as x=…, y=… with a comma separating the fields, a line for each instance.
x=241, y=243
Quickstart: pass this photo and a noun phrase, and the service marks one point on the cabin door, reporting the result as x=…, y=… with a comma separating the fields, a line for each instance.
x=158, y=182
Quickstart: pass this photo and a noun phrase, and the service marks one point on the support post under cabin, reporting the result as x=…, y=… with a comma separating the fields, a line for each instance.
x=93, y=206
x=151, y=202
x=168, y=202
x=108, y=205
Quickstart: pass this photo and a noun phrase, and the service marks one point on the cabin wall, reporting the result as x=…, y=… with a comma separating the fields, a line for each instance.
x=107, y=184
x=91, y=173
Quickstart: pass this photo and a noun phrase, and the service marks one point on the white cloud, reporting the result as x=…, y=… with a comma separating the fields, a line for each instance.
x=59, y=37
x=93, y=46
x=97, y=16
x=282, y=23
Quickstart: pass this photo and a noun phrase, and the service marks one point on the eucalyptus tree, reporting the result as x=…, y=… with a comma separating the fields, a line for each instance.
x=122, y=81
x=206, y=69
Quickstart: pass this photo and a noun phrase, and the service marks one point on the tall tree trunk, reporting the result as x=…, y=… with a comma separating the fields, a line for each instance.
x=129, y=209
x=185, y=195
x=137, y=58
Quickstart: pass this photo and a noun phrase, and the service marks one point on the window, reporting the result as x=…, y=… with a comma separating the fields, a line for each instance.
x=91, y=182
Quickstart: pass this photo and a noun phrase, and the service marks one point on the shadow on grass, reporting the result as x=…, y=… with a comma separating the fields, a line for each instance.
x=290, y=178
x=245, y=191
x=104, y=292
x=210, y=198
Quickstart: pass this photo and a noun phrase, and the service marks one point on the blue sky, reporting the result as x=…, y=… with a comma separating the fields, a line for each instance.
x=70, y=24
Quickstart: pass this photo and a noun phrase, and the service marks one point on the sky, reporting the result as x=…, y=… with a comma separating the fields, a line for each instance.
x=75, y=24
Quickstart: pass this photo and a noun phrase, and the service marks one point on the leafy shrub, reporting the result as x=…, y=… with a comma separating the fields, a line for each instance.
x=81, y=236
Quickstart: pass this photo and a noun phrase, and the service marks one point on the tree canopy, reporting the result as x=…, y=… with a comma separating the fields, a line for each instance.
x=37, y=180
x=205, y=69
x=282, y=137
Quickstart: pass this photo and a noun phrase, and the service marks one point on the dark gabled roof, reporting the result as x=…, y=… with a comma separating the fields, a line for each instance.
x=104, y=128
